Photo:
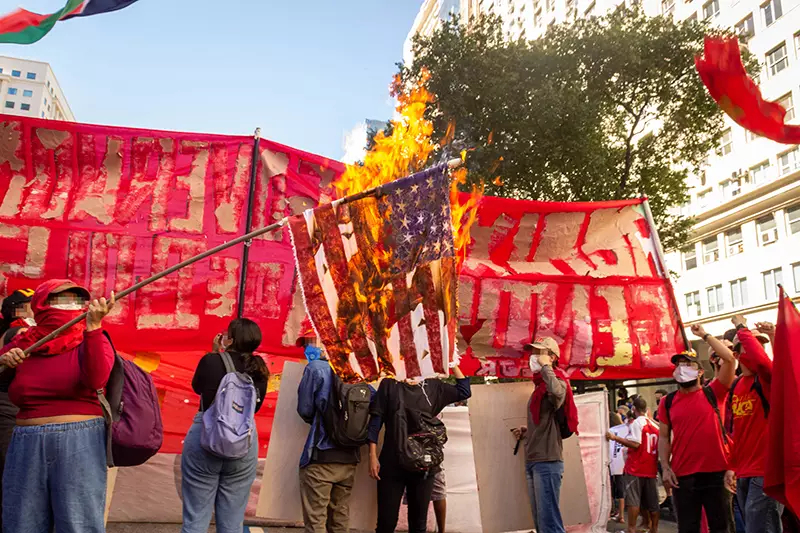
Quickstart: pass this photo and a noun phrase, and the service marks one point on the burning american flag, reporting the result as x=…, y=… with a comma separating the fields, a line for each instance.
x=379, y=278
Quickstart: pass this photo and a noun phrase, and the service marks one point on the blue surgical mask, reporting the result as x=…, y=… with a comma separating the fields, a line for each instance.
x=312, y=353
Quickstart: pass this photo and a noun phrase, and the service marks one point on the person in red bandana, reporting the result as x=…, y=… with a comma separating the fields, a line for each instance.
x=57, y=455
x=544, y=458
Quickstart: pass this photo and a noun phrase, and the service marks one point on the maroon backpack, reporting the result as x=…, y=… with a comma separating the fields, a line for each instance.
x=133, y=417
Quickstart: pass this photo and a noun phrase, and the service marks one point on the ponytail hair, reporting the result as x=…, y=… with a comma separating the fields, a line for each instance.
x=246, y=338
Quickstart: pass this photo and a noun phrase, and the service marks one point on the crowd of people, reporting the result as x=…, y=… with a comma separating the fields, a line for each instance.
x=707, y=442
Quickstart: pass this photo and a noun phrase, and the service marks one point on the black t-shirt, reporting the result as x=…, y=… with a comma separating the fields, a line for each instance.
x=429, y=398
x=211, y=370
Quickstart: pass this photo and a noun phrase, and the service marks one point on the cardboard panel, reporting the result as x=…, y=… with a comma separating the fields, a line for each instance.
x=503, y=495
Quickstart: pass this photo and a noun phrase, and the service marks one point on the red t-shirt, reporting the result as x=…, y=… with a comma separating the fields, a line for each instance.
x=697, y=444
x=643, y=461
x=749, y=430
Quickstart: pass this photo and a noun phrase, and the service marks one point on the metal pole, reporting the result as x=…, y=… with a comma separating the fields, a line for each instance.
x=251, y=200
x=375, y=191
x=664, y=272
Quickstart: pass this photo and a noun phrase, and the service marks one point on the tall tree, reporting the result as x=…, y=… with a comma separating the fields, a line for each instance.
x=602, y=108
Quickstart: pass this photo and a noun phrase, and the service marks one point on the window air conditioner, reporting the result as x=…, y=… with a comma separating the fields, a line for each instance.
x=769, y=236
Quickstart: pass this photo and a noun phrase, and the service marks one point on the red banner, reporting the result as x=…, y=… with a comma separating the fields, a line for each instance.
x=584, y=273
x=109, y=206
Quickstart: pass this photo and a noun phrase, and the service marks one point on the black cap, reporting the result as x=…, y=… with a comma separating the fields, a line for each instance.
x=686, y=356
x=14, y=300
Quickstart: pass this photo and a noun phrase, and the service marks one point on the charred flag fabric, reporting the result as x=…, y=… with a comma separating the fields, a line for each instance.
x=379, y=281
x=724, y=76
x=26, y=27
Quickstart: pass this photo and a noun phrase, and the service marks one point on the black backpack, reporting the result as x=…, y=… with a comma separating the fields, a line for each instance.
x=561, y=420
x=729, y=401
x=346, y=418
x=423, y=449
x=712, y=399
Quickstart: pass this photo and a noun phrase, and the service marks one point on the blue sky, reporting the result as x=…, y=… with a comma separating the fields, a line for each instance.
x=305, y=71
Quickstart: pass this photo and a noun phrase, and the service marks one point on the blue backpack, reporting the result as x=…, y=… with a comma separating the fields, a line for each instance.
x=229, y=423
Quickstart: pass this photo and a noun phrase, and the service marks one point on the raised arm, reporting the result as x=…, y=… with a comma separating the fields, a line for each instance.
x=727, y=370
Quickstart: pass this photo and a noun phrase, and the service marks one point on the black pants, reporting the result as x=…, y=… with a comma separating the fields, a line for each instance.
x=8, y=419
x=418, y=487
x=703, y=490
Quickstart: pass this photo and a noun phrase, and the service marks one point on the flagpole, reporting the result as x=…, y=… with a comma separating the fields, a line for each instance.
x=375, y=191
x=663, y=267
x=248, y=227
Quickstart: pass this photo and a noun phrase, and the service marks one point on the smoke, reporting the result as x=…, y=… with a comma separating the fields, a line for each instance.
x=355, y=144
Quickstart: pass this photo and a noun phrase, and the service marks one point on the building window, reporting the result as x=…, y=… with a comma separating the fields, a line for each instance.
x=710, y=250
x=760, y=173
x=772, y=11
x=693, y=304
x=777, y=59
x=1, y=70
x=789, y=161
x=714, y=299
x=31, y=75
x=45, y=101
x=704, y=199
x=25, y=107
x=793, y=219
x=787, y=103
x=734, y=241
x=16, y=73
x=772, y=278
x=711, y=9
x=725, y=143
x=731, y=188
x=27, y=93
x=12, y=90
x=739, y=292
x=690, y=258
x=796, y=275
x=667, y=7
x=9, y=104
x=796, y=44
x=746, y=28
x=767, y=230
x=42, y=114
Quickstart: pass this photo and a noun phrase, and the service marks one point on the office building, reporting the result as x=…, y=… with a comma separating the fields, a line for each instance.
x=30, y=88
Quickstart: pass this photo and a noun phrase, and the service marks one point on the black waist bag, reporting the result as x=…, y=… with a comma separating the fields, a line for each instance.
x=423, y=449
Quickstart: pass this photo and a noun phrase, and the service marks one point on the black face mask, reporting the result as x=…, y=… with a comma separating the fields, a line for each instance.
x=688, y=385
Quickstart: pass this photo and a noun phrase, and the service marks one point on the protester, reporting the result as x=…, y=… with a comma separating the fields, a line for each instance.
x=15, y=310
x=211, y=482
x=748, y=402
x=55, y=470
x=641, y=467
x=622, y=395
x=439, y=499
x=693, y=444
x=408, y=409
x=8, y=416
x=616, y=465
x=659, y=394
x=544, y=459
x=624, y=413
x=327, y=470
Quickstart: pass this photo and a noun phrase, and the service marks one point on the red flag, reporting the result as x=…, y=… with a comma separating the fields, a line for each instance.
x=724, y=76
x=782, y=474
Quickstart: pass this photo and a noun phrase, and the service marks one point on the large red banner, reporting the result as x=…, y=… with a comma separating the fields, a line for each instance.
x=108, y=206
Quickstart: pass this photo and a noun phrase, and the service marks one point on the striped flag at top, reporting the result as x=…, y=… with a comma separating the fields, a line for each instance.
x=379, y=281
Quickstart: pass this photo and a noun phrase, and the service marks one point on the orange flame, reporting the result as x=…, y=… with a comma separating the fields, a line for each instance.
x=405, y=151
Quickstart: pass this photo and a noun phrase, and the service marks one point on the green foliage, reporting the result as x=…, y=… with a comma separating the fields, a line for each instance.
x=602, y=108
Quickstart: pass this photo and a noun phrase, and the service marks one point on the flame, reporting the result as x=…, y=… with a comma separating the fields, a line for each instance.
x=404, y=151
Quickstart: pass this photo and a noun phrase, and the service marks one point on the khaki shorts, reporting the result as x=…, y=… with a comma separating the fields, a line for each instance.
x=641, y=492
x=439, y=488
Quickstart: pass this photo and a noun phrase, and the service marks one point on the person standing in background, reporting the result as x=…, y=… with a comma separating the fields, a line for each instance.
x=616, y=465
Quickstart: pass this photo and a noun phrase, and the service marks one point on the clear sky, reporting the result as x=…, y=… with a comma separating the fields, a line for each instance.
x=305, y=71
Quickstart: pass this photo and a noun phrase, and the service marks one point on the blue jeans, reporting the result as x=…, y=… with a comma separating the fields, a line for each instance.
x=210, y=483
x=55, y=477
x=544, y=491
x=761, y=513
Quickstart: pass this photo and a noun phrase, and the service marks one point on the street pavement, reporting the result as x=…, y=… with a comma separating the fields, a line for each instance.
x=663, y=527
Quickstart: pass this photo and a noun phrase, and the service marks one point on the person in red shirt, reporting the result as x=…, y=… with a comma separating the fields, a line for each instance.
x=641, y=467
x=57, y=455
x=693, y=446
x=749, y=403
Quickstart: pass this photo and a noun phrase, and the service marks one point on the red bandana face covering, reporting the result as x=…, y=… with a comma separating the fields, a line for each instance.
x=48, y=320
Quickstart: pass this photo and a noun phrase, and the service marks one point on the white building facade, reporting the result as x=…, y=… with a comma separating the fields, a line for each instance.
x=30, y=88
x=746, y=201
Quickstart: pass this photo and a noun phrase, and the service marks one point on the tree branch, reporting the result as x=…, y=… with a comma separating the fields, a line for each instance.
x=626, y=172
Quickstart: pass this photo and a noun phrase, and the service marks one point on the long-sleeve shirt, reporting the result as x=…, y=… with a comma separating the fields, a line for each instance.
x=748, y=457
x=430, y=397
x=63, y=384
x=543, y=440
x=210, y=371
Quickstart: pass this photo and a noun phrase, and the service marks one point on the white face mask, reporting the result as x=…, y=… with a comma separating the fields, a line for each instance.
x=685, y=374
x=533, y=364
x=75, y=306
